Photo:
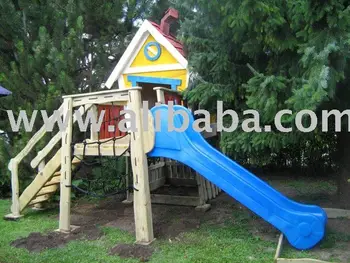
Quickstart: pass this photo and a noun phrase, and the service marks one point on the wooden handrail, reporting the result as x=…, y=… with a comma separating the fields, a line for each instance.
x=98, y=93
x=57, y=138
x=35, y=139
x=14, y=162
x=84, y=101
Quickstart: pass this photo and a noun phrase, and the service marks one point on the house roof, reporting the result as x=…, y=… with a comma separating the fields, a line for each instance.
x=172, y=39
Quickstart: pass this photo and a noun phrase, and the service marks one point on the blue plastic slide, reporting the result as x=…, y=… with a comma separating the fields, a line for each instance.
x=303, y=225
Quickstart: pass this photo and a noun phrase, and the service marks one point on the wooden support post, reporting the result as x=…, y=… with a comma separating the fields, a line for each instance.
x=160, y=95
x=204, y=187
x=209, y=189
x=129, y=196
x=66, y=167
x=15, y=207
x=203, y=196
x=142, y=197
x=200, y=189
x=213, y=189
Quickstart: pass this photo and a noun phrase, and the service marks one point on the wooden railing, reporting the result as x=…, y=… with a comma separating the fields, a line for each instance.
x=52, y=143
x=84, y=102
x=14, y=163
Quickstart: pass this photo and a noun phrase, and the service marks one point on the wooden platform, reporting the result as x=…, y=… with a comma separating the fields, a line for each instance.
x=333, y=213
x=106, y=147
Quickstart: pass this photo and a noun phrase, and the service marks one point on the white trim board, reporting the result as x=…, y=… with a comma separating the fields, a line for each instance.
x=164, y=67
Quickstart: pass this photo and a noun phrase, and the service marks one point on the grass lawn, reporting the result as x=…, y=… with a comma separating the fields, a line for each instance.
x=225, y=242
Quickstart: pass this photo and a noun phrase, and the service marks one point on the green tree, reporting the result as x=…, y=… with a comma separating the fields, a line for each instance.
x=270, y=55
x=52, y=48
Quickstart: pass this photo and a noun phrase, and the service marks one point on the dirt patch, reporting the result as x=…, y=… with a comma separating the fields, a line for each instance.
x=169, y=222
x=143, y=253
x=37, y=242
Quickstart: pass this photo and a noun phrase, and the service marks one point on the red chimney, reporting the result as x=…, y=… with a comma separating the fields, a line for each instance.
x=170, y=16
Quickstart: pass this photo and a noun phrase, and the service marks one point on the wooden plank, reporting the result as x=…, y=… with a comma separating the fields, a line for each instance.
x=175, y=200
x=279, y=248
x=209, y=190
x=299, y=260
x=129, y=196
x=54, y=140
x=213, y=190
x=182, y=182
x=175, y=170
x=104, y=149
x=47, y=190
x=153, y=68
x=200, y=190
x=15, y=207
x=149, y=138
x=33, y=141
x=75, y=161
x=160, y=94
x=334, y=213
x=40, y=180
x=167, y=90
x=94, y=134
x=99, y=93
x=156, y=166
x=151, y=175
x=170, y=169
x=204, y=187
x=40, y=199
x=154, y=185
x=66, y=168
x=183, y=174
x=142, y=198
x=54, y=180
x=217, y=190
x=120, y=99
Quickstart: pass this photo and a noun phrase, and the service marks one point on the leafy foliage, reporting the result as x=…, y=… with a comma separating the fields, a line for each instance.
x=270, y=55
x=52, y=48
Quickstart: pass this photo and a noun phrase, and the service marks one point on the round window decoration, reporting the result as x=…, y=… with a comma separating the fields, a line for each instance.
x=152, y=51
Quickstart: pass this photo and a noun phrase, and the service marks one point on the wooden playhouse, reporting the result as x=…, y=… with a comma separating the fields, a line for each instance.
x=156, y=61
x=153, y=68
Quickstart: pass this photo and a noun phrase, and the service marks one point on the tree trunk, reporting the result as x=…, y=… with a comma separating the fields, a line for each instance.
x=344, y=171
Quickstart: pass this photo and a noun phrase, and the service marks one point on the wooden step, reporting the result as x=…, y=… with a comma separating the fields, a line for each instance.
x=40, y=199
x=54, y=181
x=47, y=190
x=76, y=161
x=104, y=147
x=57, y=175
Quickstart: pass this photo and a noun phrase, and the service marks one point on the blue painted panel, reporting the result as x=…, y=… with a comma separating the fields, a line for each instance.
x=159, y=51
x=174, y=83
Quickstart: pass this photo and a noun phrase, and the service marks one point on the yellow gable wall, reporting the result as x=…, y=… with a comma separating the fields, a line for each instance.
x=172, y=74
x=141, y=60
